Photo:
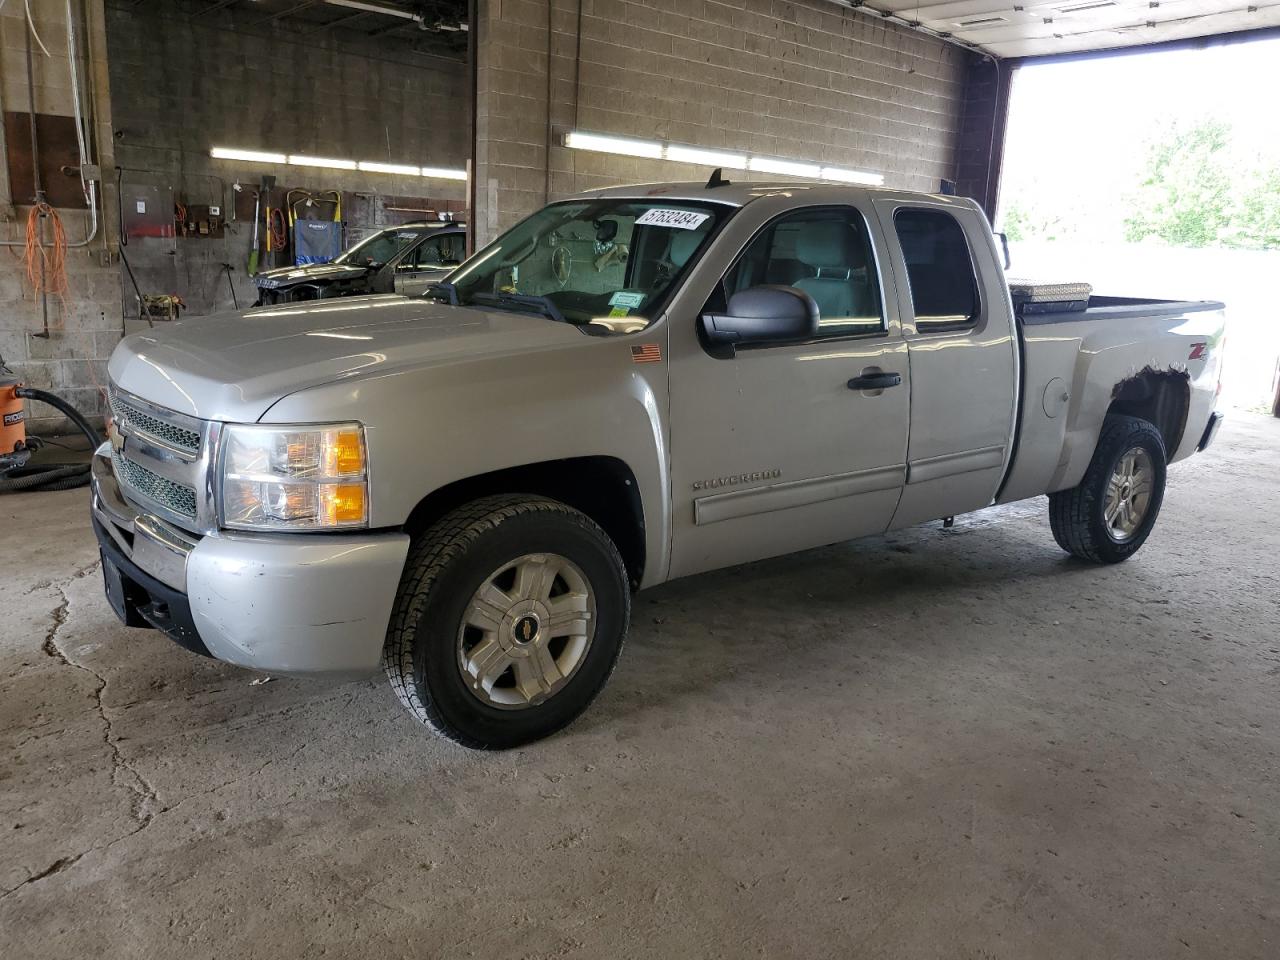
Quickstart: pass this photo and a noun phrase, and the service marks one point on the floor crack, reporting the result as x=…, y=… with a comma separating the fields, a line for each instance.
x=56, y=867
x=123, y=773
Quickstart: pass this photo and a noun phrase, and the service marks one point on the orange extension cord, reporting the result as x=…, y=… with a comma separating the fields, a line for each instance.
x=276, y=226
x=53, y=278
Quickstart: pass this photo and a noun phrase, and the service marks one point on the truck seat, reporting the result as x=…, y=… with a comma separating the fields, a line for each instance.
x=828, y=248
x=683, y=243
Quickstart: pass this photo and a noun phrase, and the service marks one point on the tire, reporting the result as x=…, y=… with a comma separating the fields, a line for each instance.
x=1078, y=517
x=433, y=640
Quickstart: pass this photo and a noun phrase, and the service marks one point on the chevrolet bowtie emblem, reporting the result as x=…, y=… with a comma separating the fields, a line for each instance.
x=116, y=437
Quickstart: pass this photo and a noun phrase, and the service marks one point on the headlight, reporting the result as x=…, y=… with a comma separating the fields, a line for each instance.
x=294, y=478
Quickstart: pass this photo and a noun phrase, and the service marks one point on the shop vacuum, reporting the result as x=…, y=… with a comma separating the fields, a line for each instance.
x=16, y=447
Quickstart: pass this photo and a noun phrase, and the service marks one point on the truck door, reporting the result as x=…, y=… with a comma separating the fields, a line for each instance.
x=957, y=322
x=428, y=262
x=772, y=449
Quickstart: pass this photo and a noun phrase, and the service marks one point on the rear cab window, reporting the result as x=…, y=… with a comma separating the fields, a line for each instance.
x=940, y=273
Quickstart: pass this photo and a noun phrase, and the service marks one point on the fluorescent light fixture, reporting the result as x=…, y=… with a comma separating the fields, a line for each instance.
x=705, y=156
x=789, y=168
x=625, y=146
x=709, y=158
x=444, y=173
x=851, y=176
x=336, y=163
x=1088, y=5
x=253, y=156
x=400, y=168
x=299, y=160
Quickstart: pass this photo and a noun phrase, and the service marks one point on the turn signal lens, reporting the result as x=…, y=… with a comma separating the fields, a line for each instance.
x=346, y=453
x=343, y=504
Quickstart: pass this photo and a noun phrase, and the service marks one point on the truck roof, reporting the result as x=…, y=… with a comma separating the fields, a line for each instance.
x=735, y=193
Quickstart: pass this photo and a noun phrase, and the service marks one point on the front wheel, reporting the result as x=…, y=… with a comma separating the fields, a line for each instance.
x=1110, y=513
x=510, y=617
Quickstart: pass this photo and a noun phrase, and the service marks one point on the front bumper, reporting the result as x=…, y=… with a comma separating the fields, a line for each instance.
x=300, y=604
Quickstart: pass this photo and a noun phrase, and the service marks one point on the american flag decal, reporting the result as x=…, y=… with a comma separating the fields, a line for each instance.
x=646, y=353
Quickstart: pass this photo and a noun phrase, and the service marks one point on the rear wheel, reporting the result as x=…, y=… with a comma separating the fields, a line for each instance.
x=511, y=614
x=1108, y=516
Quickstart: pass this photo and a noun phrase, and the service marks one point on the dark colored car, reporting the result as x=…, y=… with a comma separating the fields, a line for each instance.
x=403, y=259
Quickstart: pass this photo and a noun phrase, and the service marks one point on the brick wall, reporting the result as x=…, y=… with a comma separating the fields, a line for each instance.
x=808, y=80
x=84, y=326
x=182, y=84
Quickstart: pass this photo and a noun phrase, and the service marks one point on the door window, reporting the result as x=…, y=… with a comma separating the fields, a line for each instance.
x=944, y=290
x=438, y=253
x=826, y=253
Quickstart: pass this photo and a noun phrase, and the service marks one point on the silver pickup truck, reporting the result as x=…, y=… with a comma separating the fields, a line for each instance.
x=632, y=385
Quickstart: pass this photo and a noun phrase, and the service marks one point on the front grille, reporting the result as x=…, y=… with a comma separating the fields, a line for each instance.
x=126, y=413
x=177, y=497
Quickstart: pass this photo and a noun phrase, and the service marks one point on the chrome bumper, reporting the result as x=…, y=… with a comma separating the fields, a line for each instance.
x=287, y=604
x=158, y=548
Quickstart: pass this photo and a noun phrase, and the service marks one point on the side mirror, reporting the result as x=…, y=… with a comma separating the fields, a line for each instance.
x=1004, y=246
x=763, y=314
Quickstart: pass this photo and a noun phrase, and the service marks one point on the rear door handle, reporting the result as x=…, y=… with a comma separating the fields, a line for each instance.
x=875, y=381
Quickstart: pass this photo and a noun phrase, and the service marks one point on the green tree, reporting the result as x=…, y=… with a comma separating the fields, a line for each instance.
x=1256, y=215
x=1185, y=198
x=1026, y=219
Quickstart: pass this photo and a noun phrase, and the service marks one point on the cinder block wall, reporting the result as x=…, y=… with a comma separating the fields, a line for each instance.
x=84, y=325
x=183, y=82
x=980, y=145
x=808, y=80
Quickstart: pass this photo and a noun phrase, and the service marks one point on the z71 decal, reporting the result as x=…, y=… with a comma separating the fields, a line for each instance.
x=1197, y=351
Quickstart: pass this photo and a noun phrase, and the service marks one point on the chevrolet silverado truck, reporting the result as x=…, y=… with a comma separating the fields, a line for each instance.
x=632, y=385
x=404, y=259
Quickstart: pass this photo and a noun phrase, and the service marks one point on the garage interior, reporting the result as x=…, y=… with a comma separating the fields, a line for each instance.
x=939, y=742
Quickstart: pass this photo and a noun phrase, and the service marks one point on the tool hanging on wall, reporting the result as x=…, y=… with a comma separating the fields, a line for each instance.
x=252, y=268
x=231, y=284
x=315, y=240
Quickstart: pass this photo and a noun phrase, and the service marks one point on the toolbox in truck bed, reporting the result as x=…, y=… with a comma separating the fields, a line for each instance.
x=1030, y=296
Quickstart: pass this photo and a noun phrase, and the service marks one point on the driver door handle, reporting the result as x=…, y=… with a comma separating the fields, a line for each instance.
x=875, y=381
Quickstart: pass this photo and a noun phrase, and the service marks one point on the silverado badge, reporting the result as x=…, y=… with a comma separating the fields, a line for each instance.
x=737, y=478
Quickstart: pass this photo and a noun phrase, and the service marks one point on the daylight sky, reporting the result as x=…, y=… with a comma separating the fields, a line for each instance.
x=1078, y=129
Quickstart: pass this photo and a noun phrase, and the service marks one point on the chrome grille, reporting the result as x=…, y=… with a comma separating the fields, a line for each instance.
x=177, y=497
x=128, y=415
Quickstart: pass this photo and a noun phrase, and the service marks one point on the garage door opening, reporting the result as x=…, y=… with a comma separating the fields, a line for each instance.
x=1155, y=174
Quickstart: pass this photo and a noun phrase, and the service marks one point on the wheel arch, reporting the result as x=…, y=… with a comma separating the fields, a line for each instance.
x=1161, y=397
x=602, y=487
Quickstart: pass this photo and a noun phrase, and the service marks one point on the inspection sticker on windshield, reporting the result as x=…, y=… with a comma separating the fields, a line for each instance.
x=680, y=219
x=627, y=298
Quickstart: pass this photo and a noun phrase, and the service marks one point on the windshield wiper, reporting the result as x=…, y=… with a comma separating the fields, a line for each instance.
x=543, y=305
x=443, y=289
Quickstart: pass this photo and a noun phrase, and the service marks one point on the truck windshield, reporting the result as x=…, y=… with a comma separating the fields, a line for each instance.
x=376, y=250
x=610, y=262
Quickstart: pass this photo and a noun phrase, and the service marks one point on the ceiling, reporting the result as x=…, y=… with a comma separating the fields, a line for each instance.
x=433, y=26
x=1038, y=28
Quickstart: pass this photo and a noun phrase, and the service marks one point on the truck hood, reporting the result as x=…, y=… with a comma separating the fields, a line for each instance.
x=234, y=366
x=309, y=273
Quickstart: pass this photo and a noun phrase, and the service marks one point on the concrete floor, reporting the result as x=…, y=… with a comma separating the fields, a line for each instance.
x=957, y=744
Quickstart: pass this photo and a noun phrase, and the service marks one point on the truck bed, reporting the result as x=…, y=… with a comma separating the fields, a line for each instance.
x=1072, y=367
